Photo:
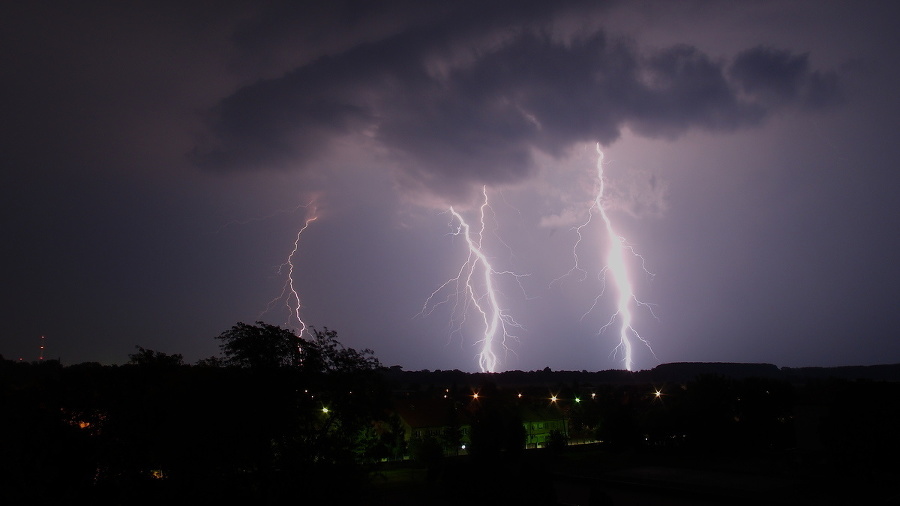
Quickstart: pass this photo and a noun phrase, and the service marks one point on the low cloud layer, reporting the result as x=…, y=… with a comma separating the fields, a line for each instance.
x=455, y=103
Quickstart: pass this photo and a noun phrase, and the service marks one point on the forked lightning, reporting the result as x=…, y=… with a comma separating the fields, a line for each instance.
x=478, y=294
x=616, y=267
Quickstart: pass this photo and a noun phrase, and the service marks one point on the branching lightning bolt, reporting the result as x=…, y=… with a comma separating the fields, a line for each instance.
x=262, y=218
x=480, y=296
x=617, y=268
x=289, y=293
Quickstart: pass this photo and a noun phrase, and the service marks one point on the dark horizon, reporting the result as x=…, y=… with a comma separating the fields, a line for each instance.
x=685, y=370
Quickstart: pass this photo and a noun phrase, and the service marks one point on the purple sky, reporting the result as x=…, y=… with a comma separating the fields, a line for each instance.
x=154, y=156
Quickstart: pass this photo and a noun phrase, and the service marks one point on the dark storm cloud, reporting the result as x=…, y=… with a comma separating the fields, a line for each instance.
x=776, y=76
x=461, y=102
x=684, y=88
x=275, y=122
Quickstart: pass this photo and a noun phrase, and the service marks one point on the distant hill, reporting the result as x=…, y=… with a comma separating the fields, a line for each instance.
x=685, y=371
x=883, y=372
x=672, y=372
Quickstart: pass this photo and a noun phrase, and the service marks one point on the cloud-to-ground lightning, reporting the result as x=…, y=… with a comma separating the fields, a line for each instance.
x=289, y=293
x=615, y=267
x=480, y=295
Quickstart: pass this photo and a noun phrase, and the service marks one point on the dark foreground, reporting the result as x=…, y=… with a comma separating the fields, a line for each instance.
x=592, y=475
x=323, y=429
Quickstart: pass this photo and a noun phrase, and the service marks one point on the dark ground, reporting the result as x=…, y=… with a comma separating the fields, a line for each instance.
x=591, y=475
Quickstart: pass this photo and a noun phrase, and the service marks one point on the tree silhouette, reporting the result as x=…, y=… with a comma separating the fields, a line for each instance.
x=260, y=346
x=153, y=358
x=497, y=431
x=324, y=354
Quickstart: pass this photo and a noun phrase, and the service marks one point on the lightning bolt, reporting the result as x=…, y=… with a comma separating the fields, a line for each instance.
x=289, y=293
x=617, y=269
x=482, y=296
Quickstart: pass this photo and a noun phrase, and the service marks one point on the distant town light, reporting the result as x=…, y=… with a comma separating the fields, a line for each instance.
x=324, y=410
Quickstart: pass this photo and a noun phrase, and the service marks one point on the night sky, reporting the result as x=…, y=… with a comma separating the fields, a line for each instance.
x=159, y=158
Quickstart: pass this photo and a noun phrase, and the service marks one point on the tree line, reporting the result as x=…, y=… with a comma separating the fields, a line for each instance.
x=274, y=416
